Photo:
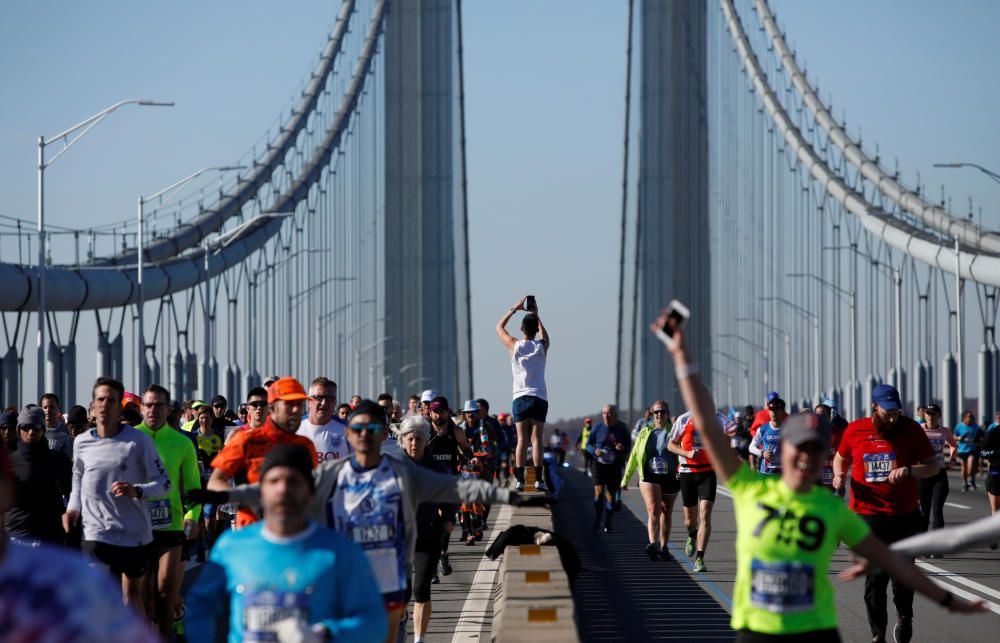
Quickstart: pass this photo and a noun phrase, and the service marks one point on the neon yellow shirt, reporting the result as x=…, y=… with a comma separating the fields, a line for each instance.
x=784, y=543
x=178, y=456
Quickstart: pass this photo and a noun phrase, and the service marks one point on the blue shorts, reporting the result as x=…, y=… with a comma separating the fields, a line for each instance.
x=529, y=407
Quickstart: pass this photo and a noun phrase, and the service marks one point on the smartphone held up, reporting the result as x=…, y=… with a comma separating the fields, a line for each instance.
x=529, y=303
x=677, y=315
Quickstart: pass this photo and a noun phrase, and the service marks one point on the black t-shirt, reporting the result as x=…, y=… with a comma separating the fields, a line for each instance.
x=42, y=477
x=444, y=448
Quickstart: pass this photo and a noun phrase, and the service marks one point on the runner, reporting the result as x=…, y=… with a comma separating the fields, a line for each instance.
x=242, y=456
x=763, y=416
x=48, y=593
x=610, y=444
x=658, y=483
x=434, y=520
x=286, y=578
x=8, y=431
x=77, y=421
x=374, y=499
x=828, y=409
x=933, y=491
x=412, y=406
x=765, y=447
x=41, y=479
x=697, y=482
x=968, y=434
x=172, y=525
x=787, y=528
x=449, y=447
x=527, y=362
x=321, y=425
x=588, y=458
x=991, y=454
x=55, y=429
x=888, y=452
x=114, y=468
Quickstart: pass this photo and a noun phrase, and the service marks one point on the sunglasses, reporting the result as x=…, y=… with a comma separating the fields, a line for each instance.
x=28, y=429
x=218, y=406
x=258, y=404
x=323, y=398
x=374, y=427
x=658, y=411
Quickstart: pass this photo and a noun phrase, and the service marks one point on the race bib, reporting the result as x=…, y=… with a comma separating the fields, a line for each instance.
x=159, y=512
x=373, y=534
x=938, y=445
x=782, y=587
x=696, y=440
x=658, y=465
x=878, y=466
x=263, y=609
x=827, y=478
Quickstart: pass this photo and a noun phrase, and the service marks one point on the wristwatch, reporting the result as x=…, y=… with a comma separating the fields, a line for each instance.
x=138, y=492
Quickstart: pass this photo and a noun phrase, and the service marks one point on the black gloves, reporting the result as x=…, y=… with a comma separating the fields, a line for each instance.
x=518, y=500
x=204, y=496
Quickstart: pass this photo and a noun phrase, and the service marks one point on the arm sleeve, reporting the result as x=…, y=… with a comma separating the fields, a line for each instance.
x=191, y=479
x=633, y=459
x=77, y=477
x=755, y=444
x=853, y=529
x=591, y=443
x=951, y=540
x=157, y=481
x=205, y=601
x=362, y=616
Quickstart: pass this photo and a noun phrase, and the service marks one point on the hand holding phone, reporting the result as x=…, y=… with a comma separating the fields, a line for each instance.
x=529, y=303
x=670, y=320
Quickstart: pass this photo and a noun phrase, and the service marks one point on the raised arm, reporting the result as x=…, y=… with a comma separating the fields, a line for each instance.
x=506, y=338
x=543, y=335
x=697, y=399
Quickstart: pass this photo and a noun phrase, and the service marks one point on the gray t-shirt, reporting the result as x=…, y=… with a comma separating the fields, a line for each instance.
x=129, y=456
x=60, y=439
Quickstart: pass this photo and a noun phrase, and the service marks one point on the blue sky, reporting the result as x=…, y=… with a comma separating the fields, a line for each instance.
x=544, y=83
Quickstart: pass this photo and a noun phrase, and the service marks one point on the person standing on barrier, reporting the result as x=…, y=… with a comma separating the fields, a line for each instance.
x=787, y=527
x=933, y=491
x=531, y=406
x=658, y=483
x=887, y=453
x=610, y=444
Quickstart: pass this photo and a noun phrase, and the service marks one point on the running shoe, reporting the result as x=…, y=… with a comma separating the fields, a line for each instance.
x=519, y=486
x=445, y=565
x=665, y=554
x=652, y=551
x=699, y=565
x=974, y=487
x=903, y=631
x=435, y=580
x=540, y=486
x=478, y=536
x=608, y=529
x=689, y=547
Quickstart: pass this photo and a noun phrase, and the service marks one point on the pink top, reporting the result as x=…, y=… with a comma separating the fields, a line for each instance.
x=938, y=438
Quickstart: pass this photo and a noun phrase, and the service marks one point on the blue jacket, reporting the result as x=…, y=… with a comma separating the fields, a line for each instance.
x=604, y=437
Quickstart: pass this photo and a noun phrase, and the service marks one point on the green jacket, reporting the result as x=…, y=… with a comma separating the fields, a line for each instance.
x=178, y=456
x=637, y=456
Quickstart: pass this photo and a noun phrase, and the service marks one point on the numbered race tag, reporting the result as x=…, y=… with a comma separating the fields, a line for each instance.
x=263, y=609
x=658, y=465
x=159, y=512
x=827, y=478
x=373, y=534
x=782, y=587
x=878, y=466
x=607, y=456
x=696, y=440
x=938, y=445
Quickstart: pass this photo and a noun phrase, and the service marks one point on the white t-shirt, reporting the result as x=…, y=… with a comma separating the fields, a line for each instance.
x=527, y=363
x=328, y=439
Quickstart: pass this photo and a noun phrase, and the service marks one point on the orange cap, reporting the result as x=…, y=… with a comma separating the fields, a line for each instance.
x=287, y=388
x=131, y=398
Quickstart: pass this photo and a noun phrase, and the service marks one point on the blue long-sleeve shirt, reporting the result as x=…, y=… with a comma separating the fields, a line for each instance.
x=604, y=437
x=319, y=576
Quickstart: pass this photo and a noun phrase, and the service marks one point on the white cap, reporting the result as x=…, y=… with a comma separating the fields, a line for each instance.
x=428, y=395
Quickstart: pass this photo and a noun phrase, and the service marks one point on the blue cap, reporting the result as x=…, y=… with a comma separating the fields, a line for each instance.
x=773, y=395
x=886, y=396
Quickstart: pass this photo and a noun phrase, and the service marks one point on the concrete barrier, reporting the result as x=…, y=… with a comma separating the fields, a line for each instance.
x=533, y=602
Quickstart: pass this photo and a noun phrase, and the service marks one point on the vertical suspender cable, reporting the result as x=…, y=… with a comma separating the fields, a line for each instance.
x=465, y=197
x=621, y=260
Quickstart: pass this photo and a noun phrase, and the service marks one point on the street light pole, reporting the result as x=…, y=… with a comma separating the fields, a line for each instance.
x=814, y=318
x=788, y=350
x=760, y=351
x=140, y=346
x=82, y=127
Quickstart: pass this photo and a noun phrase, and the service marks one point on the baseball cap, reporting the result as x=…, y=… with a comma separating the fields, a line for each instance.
x=932, y=408
x=293, y=456
x=31, y=416
x=802, y=428
x=218, y=400
x=76, y=415
x=197, y=404
x=501, y=416
x=131, y=398
x=438, y=406
x=772, y=396
x=287, y=388
x=829, y=402
x=587, y=421
x=886, y=396
x=271, y=379
x=428, y=395
x=470, y=407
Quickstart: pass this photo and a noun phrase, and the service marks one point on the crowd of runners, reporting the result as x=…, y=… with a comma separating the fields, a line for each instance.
x=315, y=519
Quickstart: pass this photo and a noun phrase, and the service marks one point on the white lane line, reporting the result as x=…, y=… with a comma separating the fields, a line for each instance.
x=979, y=587
x=956, y=505
x=471, y=619
x=969, y=596
x=721, y=489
